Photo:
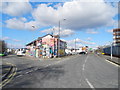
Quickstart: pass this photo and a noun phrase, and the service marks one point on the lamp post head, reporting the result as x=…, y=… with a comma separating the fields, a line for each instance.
x=33, y=26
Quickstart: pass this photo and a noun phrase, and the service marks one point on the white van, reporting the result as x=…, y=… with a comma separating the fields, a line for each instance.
x=20, y=53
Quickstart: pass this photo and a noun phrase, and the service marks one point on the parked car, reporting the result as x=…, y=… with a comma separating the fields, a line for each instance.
x=5, y=53
x=82, y=53
x=20, y=53
x=1, y=54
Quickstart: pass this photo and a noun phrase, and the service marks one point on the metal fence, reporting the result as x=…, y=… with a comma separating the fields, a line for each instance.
x=115, y=50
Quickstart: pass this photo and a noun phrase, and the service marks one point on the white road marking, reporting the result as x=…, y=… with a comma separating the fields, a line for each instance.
x=36, y=69
x=109, y=61
x=83, y=67
x=46, y=65
x=91, y=86
x=57, y=62
x=19, y=76
x=27, y=72
x=85, y=63
x=112, y=63
x=30, y=71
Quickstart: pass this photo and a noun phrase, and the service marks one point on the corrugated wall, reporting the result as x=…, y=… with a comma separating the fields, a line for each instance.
x=115, y=50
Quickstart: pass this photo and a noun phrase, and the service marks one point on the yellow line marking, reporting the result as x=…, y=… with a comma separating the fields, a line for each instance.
x=2, y=84
x=4, y=81
x=7, y=69
x=10, y=75
x=9, y=63
x=8, y=80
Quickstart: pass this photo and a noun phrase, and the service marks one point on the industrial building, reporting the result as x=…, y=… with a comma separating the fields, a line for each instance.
x=115, y=46
x=46, y=47
x=116, y=36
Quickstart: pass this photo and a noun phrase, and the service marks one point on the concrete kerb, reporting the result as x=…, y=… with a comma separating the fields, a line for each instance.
x=113, y=61
x=108, y=59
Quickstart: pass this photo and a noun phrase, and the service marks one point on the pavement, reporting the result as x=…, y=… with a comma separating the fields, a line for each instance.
x=78, y=71
x=115, y=60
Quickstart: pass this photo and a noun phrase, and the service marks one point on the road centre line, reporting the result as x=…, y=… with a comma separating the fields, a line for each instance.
x=83, y=67
x=85, y=63
x=91, y=86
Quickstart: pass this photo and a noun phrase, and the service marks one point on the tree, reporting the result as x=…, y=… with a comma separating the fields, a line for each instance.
x=3, y=46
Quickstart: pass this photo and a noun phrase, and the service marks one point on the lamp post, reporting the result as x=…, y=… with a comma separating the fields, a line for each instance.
x=54, y=42
x=111, y=50
x=75, y=45
x=59, y=37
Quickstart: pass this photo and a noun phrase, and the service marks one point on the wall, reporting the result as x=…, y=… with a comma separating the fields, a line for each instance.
x=115, y=50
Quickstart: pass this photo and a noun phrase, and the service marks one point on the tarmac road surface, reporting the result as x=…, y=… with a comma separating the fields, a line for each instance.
x=78, y=71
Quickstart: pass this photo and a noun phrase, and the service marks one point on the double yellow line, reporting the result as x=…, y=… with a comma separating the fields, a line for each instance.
x=9, y=77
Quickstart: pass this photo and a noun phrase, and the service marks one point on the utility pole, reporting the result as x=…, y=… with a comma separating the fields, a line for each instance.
x=59, y=38
x=111, y=50
x=75, y=46
x=54, y=42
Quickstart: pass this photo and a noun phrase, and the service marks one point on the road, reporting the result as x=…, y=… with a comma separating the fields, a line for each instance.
x=78, y=71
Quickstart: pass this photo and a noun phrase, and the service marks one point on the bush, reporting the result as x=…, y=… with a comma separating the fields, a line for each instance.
x=3, y=46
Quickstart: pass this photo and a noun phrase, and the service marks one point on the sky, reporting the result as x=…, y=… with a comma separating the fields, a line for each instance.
x=89, y=23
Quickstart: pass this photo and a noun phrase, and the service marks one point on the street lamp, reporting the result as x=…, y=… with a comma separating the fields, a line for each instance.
x=59, y=27
x=111, y=49
x=75, y=45
x=59, y=36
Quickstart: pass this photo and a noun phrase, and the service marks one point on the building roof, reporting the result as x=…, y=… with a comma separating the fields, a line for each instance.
x=30, y=43
x=39, y=38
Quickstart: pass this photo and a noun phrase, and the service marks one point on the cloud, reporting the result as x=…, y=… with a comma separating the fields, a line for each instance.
x=23, y=19
x=14, y=24
x=79, y=15
x=46, y=15
x=109, y=31
x=20, y=24
x=5, y=38
x=16, y=8
x=79, y=43
x=57, y=5
x=15, y=40
x=91, y=31
x=15, y=0
x=89, y=39
x=10, y=45
x=63, y=32
x=83, y=42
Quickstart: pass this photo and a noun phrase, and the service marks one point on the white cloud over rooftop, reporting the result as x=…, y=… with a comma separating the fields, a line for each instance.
x=63, y=32
x=78, y=15
x=79, y=43
x=19, y=24
x=16, y=8
x=91, y=31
